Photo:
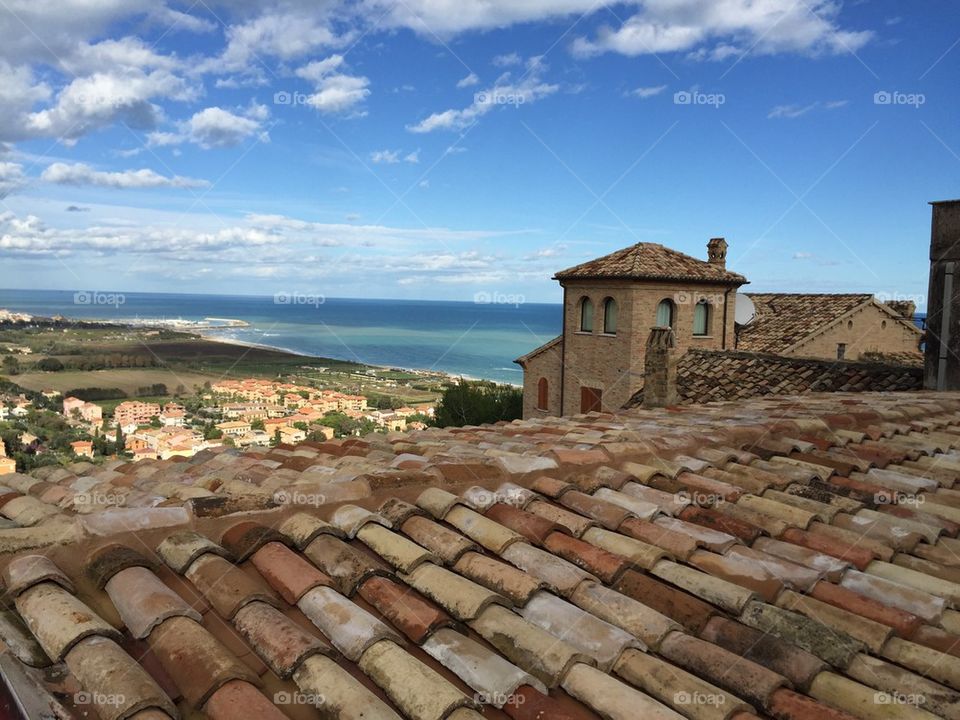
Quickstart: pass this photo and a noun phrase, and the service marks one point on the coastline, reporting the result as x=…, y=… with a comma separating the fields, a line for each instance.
x=419, y=371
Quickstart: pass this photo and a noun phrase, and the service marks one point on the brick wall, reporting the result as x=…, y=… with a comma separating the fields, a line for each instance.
x=869, y=329
x=545, y=365
x=615, y=364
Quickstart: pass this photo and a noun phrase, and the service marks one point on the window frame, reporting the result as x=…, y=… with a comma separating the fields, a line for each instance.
x=672, y=312
x=607, y=304
x=585, y=303
x=706, y=309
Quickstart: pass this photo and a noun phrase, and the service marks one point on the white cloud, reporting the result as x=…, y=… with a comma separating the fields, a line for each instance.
x=412, y=158
x=214, y=127
x=508, y=60
x=388, y=157
x=334, y=91
x=469, y=81
x=100, y=99
x=82, y=174
x=529, y=88
x=285, y=35
x=732, y=26
x=791, y=111
x=647, y=92
x=11, y=178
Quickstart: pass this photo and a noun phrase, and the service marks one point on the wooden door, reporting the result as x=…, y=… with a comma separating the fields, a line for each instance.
x=590, y=399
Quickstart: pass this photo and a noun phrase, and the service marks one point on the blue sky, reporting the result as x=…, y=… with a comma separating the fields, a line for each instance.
x=440, y=148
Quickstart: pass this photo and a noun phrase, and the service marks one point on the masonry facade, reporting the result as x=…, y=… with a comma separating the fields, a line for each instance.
x=610, y=305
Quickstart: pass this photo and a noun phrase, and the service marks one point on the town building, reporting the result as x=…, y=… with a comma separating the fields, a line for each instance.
x=87, y=411
x=132, y=413
x=611, y=304
x=7, y=464
x=234, y=428
x=82, y=448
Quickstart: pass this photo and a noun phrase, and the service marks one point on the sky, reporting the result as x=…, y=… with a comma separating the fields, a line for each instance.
x=437, y=149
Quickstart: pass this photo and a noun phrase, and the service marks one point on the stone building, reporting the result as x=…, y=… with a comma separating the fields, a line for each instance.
x=609, y=306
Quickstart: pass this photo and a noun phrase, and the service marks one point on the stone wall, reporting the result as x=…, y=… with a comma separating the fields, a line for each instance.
x=546, y=365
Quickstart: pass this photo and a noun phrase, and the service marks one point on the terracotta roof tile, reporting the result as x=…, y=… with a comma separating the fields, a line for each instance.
x=286, y=572
x=405, y=608
x=513, y=584
x=25, y=571
x=651, y=261
x=58, y=619
x=280, y=643
x=144, y=602
x=196, y=661
x=349, y=627
x=239, y=700
x=225, y=586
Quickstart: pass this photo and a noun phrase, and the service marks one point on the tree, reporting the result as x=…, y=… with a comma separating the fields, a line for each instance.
x=118, y=440
x=276, y=439
x=49, y=364
x=477, y=402
x=11, y=366
x=155, y=422
x=257, y=425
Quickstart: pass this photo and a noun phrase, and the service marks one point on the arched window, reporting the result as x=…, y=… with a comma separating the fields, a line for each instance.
x=610, y=316
x=665, y=313
x=586, y=315
x=543, y=394
x=701, y=318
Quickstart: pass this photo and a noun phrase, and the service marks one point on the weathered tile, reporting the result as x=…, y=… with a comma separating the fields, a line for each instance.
x=717, y=591
x=401, y=553
x=106, y=561
x=904, y=623
x=227, y=587
x=18, y=640
x=576, y=524
x=244, y=538
x=58, y=619
x=482, y=530
x=405, y=608
x=913, y=601
x=513, y=584
x=688, y=610
x=533, y=527
x=527, y=646
x=25, y=571
x=351, y=518
x=116, y=685
x=462, y=598
x=349, y=627
x=144, y=602
x=280, y=642
x=594, y=637
x=180, y=549
x=196, y=661
x=872, y=634
x=239, y=700
x=337, y=694
x=418, y=691
x=611, y=698
x=303, y=529
x=446, y=544
x=345, y=564
x=558, y=573
x=288, y=573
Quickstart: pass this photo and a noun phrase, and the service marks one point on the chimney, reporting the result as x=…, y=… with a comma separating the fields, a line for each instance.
x=717, y=252
x=942, y=336
x=660, y=369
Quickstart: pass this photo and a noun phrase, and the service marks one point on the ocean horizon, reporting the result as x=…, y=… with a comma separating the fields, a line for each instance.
x=474, y=339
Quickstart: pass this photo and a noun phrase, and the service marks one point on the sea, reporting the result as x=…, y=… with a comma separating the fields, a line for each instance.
x=472, y=339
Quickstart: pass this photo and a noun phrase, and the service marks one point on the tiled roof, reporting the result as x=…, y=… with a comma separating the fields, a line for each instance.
x=712, y=375
x=761, y=559
x=784, y=319
x=651, y=261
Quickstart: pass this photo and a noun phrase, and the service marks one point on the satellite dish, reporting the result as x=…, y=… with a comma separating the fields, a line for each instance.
x=744, y=310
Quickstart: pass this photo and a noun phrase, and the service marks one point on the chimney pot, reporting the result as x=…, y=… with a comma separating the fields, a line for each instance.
x=717, y=252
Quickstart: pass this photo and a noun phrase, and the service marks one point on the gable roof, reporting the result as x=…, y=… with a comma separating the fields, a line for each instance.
x=785, y=319
x=650, y=261
x=542, y=349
